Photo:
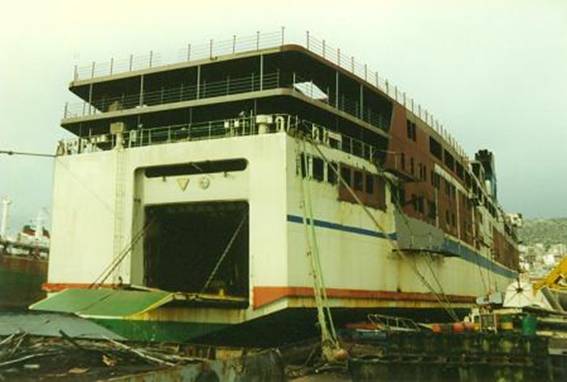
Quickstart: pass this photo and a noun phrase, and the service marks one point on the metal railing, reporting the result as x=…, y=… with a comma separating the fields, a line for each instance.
x=174, y=94
x=215, y=129
x=249, y=83
x=274, y=39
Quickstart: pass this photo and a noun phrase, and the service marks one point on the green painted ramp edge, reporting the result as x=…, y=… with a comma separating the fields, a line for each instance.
x=103, y=302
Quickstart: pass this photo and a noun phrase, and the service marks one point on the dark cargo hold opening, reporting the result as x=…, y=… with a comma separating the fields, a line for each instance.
x=187, y=243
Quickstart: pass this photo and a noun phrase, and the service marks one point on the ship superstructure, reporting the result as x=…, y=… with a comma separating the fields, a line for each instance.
x=179, y=208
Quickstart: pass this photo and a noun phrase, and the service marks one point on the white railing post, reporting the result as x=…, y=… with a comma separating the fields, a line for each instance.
x=131, y=62
x=365, y=72
x=352, y=64
x=188, y=52
x=93, y=69
x=111, y=65
x=307, y=39
x=211, y=48
x=283, y=33
x=257, y=40
x=233, y=43
x=65, y=109
x=151, y=57
x=76, y=73
x=377, y=80
x=323, y=48
x=339, y=57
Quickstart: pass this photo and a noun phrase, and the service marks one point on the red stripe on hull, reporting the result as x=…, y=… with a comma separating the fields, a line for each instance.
x=267, y=295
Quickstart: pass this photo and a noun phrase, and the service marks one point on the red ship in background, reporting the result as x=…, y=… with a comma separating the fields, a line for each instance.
x=23, y=262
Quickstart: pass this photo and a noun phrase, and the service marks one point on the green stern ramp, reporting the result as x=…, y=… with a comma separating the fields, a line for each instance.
x=123, y=312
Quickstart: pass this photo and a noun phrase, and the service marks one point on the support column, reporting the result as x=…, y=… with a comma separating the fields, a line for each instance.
x=261, y=72
x=141, y=90
x=90, y=98
x=361, y=111
x=337, y=89
x=198, y=81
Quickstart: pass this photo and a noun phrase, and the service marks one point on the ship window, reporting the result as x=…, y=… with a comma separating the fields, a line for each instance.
x=460, y=171
x=304, y=165
x=468, y=179
x=449, y=160
x=432, y=209
x=357, y=181
x=345, y=174
x=435, y=148
x=411, y=130
x=318, y=169
x=205, y=167
x=435, y=179
x=369, y=183
x=402, y=196
x=331, y=173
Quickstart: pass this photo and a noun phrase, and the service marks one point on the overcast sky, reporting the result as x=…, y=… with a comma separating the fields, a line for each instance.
x=493, y=72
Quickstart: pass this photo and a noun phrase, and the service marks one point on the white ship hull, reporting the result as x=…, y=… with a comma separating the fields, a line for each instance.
x=93, y=216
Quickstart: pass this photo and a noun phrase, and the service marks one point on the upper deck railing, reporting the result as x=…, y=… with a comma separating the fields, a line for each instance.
x=227, y=87
x=259, y=41
x=215, y=129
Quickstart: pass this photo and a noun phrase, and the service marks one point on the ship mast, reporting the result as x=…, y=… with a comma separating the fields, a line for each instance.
x=5, y=214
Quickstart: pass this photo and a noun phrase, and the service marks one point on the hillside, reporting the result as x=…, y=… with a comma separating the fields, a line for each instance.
x=545, y=231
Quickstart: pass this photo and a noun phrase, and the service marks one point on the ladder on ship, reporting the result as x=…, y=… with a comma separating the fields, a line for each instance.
x=119, y=200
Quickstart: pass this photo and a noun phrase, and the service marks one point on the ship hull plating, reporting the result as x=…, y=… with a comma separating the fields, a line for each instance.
x=263, y=265
x=21, y=280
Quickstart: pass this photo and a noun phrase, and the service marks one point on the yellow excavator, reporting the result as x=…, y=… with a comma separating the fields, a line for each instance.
x=553, y=278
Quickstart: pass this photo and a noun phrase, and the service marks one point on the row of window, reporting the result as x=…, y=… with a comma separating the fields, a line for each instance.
x=429, y=208
x=358, y=180
x=317, y=169
x=421, y=168
x=436, y=149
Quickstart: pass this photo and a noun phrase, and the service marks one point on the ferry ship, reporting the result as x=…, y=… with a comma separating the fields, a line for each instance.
x=23, y=262
x=179, y=209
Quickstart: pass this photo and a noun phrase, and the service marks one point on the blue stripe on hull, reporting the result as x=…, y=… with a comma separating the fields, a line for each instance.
x=450, y=246
x=344, y=228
